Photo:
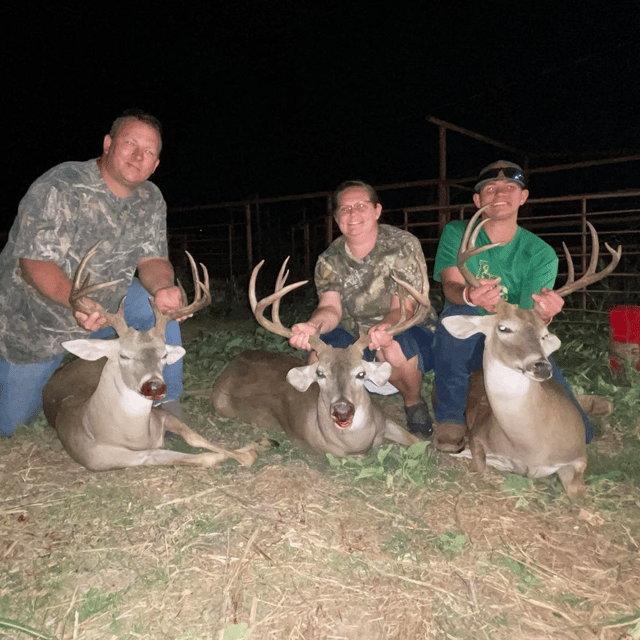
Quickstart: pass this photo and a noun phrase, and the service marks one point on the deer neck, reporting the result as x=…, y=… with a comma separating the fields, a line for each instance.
x=511, y=394
x=113, y=400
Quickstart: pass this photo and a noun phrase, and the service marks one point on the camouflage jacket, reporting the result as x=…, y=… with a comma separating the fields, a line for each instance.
x=65, y=212
x=366, y=286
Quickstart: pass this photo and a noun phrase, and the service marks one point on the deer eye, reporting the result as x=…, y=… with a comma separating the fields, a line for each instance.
x=360, y=375
x=124, y=357
x=319, y=374
x=504, y=329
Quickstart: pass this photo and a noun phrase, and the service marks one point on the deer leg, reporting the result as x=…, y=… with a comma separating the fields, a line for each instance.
x=396, y=433
x=246, y=456
x=478, y=455
x=108, y=457
x=572, y=478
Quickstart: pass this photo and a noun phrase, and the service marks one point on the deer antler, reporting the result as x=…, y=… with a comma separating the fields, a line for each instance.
x=80, y=290
x=590, y=275
x=201, y=296
x=275, y=325
x=423, y=304
x=468, y=247
x=258, y=308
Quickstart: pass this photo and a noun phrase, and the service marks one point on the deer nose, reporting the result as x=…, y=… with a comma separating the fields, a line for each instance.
x=541, y=370
x=342, y=410
x=154, y=389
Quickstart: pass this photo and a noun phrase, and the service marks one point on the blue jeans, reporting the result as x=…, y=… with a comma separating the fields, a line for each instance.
x=415, y=341
x=21, y=385
x=456, y=359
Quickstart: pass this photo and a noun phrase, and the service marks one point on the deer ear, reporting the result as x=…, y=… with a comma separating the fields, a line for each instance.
x=174, y=353
x=550, y=343
x=300, y=378
x=92, y=348
x=378, y=372
x=463, y=327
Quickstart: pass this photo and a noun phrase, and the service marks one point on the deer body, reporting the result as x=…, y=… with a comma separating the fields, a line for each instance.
x=519, y=419
x=323, y=407
x=101, y=405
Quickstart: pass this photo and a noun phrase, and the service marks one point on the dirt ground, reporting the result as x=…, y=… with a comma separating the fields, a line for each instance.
x=295, y=548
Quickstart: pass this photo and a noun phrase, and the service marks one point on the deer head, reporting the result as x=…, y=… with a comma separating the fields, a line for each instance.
x=340, y=373
x=137, y=358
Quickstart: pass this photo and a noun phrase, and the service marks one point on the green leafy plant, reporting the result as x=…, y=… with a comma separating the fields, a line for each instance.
x=391, y=464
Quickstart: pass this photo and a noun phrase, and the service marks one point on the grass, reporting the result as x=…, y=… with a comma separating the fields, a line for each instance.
x=393, y=544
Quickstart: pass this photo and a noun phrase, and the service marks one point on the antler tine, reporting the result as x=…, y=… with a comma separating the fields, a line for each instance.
x=423, y=304
x=468, y=248
x=258, y=308
x=80, y=290
x=201, y=296
x=283, y=274
x=590, y=275
x=363, y=340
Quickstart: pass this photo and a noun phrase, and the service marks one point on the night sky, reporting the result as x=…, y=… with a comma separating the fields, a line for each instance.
x=280, y=97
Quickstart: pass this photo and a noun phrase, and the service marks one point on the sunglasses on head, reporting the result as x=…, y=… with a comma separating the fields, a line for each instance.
x=508, y=173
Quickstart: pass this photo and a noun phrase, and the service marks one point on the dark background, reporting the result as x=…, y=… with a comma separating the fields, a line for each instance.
x=277, y=97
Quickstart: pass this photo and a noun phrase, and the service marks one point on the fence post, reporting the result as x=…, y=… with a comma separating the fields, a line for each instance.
x=247, y=215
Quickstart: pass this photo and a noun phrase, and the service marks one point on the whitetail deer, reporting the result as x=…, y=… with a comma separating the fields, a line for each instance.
x=519, y=419
x=323, y=407
x=102, y=409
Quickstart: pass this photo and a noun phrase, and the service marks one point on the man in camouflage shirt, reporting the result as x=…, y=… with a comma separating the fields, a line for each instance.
x=64, y=213
x=356, y=292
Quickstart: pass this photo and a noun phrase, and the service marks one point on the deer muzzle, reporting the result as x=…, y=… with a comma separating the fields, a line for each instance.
x=342, y=413
x=154, y=389
x=539, y=370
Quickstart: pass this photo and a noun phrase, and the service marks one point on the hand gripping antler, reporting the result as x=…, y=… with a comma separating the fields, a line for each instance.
x=275, y=325
x=468, y=249
x=590, y=275
x=422, y=307
x=201, y=294
x=81, y=290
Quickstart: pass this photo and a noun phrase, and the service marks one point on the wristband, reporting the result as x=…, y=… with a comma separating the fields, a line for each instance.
x=466, y=299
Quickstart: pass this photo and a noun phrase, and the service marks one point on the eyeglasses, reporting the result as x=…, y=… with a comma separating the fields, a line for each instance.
x=356, y=206
x=508, y=173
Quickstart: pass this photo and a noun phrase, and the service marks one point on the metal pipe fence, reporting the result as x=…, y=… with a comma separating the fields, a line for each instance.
x=302, y=227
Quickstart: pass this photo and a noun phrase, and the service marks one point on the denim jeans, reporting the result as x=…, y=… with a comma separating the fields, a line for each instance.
x=21, y=385
x=414, y=341
x=456, y=359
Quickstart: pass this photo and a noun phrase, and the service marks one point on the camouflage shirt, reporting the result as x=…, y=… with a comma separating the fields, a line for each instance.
x=366, y=286
x=63, y=214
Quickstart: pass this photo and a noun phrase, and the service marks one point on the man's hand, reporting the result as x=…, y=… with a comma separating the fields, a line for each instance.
x=300, y=334
x=170, y=299
x=547, y=304
x=91, y=322
x=486, y=295
x=379, y=337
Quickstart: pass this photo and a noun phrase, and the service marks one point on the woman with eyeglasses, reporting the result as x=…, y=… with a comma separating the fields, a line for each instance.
x=356, y=292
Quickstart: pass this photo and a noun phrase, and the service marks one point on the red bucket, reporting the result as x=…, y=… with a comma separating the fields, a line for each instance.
x=624, y=323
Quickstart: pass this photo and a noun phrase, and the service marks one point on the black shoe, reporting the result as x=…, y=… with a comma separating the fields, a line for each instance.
x=418, y=420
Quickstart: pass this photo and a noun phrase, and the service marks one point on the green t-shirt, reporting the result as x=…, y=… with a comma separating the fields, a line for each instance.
x=525, y=265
